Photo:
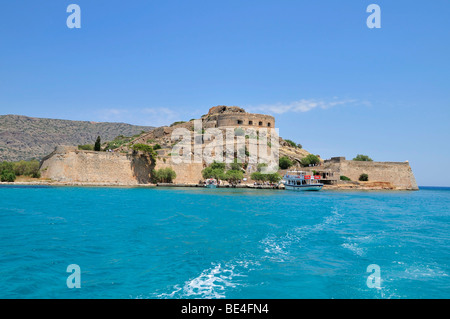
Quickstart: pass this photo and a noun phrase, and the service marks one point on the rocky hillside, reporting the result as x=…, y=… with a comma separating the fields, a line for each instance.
x=24, y=138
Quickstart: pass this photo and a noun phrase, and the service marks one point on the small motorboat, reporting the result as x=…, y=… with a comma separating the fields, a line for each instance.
x=211, y=183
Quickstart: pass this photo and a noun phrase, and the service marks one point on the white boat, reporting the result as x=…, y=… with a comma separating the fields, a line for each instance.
x=300, y=181
x=211, y=183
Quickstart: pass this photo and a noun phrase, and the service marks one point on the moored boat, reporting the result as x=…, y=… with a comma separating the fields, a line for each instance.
x=211, y=183
x=300, y=181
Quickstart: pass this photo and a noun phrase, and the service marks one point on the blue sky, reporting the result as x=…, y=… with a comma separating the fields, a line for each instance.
x=334, y=85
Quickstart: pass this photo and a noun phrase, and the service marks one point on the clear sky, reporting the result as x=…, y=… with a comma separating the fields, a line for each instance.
x=334, y=85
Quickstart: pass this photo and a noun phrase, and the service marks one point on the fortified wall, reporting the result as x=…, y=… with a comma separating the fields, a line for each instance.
x=70, y=165
x=399, y=174
x=232, y=116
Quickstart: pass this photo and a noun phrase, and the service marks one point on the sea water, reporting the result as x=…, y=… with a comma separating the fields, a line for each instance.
x=223, y=243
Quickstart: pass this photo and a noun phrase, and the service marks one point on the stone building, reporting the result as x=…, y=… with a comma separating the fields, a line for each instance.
x=232, y=116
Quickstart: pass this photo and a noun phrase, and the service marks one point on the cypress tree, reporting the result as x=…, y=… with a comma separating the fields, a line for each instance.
x=97, y=144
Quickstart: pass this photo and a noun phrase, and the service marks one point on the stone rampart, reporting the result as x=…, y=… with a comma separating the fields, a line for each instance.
x=68, y=164
x=398, y=174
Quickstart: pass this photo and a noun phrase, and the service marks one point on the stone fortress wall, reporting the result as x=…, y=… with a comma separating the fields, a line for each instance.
x=399, y=174
x=69, y=165
x=232, y=116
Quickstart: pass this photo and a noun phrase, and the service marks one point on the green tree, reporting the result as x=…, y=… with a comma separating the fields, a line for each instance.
x=7, y=176
x=258, y=176
x=310, y=159
x=20, y=168
x=32, y=168
x=344, y=178
x=273, y=178
x=97, y=144
x=362, y=158
x=164, y=175
x=285, y=162
x=6, y=166
x=210, y=172
x=233, y=176
x=215, y=165
x=215, y=170
x=235, y=166
x=364, y=177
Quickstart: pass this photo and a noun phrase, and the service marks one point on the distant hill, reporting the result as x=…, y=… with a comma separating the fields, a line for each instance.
x=24, y=138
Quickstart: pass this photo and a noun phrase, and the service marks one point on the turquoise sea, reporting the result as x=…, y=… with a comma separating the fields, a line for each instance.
x=223, y=243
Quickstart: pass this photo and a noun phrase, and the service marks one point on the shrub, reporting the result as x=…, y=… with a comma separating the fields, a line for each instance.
x=118, y=142
x=146, y=149
x=33, y=168
x=86, y=147
x=235, y=166
x=36, y=175
x=138, y=134
x=20, y=168
x=142, y=147
x=363, y=177
x=310, y=159
x=299, y=146
x=362, y=158
x=28, y=168
x=7, y=176
x=6, y=166
x=260, y=166
x=164, y=175
x=157, y=147
x=344, y=178
x=291, y=143
x=215, y=165
x=176, y=123
x=285, y=162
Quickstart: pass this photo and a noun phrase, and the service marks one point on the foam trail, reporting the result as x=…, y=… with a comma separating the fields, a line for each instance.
x=212, y=283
